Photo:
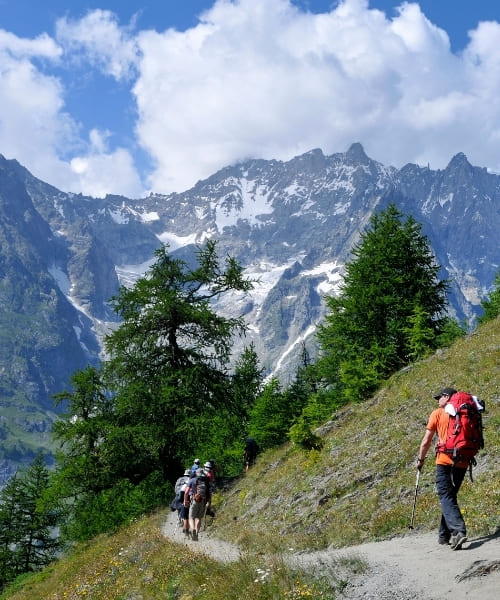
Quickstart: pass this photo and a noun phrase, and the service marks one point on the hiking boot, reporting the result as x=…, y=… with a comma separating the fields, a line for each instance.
x=457, y=540
x=444, y=541
x=194, y=536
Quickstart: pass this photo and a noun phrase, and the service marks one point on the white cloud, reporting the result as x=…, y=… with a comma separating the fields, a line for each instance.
x=259, y=78
x=33, y=124
x=36, y=129
x=255, y=78
x=100, y=172
x=99, y=39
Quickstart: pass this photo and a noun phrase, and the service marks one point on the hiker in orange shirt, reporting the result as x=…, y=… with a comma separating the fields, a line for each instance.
x=449, y=476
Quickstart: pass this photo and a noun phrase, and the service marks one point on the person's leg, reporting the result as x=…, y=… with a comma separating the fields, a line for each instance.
x=448, y=482
x=444, y=534
x=191, y=518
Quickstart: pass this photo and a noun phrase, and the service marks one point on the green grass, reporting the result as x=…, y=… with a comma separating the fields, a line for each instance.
x=359, y=487
x=139, y=563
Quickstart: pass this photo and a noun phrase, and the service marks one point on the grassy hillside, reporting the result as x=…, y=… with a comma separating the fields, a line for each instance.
x=359, y=487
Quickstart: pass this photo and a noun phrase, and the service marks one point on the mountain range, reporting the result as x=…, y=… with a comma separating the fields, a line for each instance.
x=291, y=224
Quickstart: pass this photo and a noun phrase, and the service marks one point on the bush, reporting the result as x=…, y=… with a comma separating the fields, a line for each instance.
x=111, y=508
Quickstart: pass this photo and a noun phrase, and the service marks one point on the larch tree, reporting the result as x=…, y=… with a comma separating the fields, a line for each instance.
x=391, y=307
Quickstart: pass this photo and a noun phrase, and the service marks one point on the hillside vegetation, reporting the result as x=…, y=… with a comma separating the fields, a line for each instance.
x=358, y=487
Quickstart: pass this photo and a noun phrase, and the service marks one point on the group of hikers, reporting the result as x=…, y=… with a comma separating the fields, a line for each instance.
x=194, y=490
x=193, y=496
x=456, y=423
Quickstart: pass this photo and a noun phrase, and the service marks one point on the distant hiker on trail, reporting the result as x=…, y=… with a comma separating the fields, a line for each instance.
x=213, y=467
x=182, y=480
x=207, y=467
x=178, y=501
x=450, y=471
x=184, y=511
x=198, y=490
x=195, y=467
x=250, y=454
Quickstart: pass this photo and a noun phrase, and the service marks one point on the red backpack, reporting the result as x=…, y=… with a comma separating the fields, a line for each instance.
x=465, y=428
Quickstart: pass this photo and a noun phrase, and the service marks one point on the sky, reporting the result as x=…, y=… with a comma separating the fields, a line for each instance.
x=123, y=97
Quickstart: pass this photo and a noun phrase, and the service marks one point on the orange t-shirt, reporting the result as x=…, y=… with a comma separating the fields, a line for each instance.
x=438, y=423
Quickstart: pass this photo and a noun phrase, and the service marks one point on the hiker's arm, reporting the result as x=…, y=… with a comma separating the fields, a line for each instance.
x=425, y=444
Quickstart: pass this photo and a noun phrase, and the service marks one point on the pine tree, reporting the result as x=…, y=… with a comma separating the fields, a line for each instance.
x=169, y=358
x=491, y=305
x=370, y=330
x=133, y=424
x=27, y=521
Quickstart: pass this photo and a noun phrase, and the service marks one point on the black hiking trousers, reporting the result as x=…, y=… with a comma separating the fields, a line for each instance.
x=448, y=482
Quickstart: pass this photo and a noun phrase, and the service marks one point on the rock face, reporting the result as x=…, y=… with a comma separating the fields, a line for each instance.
x=290, y=224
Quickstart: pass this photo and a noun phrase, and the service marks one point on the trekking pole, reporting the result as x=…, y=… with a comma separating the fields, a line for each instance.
x=410, y=526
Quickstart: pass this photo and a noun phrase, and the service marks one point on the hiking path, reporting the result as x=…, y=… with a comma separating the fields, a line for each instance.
x=411, y=567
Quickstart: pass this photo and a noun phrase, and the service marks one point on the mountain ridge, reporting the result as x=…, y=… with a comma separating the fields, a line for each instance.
x=291, y=224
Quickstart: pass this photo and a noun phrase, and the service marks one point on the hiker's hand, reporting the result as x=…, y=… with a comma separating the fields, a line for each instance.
x=420, y=463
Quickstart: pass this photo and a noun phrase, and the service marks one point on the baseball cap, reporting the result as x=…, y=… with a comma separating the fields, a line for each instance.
x=447, y=391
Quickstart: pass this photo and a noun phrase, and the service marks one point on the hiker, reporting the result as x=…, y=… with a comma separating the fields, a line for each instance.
x=195, y=467
x=207, y=467
x=184, y=510
x=178, y=501
x=213, y=467
x=182, y=480
x=250, y=454
x=198, y=490
x=449, y=476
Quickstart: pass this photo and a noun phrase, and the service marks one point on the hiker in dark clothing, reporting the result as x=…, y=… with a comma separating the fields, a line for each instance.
x=250, y=454
x=449, y=476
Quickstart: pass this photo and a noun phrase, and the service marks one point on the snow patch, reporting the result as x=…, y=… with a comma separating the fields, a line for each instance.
x=129, y=274
x=309, y=331
x=334, y=277
x=177, y=241
x=254, y=203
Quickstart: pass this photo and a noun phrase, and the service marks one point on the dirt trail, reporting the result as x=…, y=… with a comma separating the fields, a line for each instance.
x=413, y=567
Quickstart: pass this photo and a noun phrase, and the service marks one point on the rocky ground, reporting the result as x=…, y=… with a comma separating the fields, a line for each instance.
x=413, y=567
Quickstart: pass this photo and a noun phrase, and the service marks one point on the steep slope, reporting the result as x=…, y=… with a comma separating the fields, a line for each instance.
x=360, y=486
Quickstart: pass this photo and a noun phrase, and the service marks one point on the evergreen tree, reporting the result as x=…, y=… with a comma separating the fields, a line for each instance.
x=390, y=307
x=169, y=360
x=491, y=305
x=81, y=433
x=27, y=521
x=132, y=425
x=9, y=528
x=246, y=382
x=227, y=428
x=269, y=422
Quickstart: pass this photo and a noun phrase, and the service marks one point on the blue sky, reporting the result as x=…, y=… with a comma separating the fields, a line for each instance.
x=132, y=97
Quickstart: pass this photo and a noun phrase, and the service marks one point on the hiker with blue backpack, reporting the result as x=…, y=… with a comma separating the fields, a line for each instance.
x=458, y=426
x=195, y=467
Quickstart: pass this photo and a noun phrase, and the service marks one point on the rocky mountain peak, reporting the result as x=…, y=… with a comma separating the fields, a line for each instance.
x=356, y=155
